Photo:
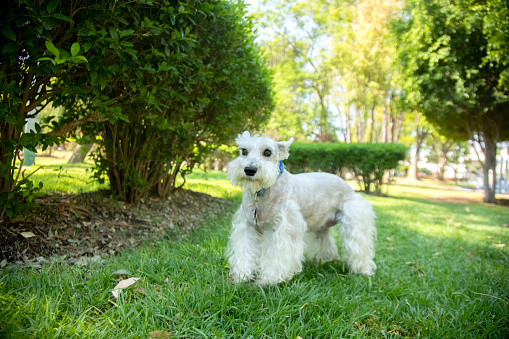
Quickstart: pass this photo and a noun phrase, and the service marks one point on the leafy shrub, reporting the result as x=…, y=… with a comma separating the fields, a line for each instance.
x=156, y=82
x=369, y=162
x=197, y=80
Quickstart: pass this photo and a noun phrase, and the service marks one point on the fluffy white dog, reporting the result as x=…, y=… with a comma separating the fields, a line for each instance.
x=284, y=217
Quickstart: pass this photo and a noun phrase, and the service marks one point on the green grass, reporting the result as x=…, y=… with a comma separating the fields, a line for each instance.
x=58, y=176
x=440, y=275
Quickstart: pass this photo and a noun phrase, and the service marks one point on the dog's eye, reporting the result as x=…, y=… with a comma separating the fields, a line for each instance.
x=244, y=151
x=267, y=153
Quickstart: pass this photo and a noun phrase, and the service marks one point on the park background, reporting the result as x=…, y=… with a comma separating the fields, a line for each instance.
x=118, y=120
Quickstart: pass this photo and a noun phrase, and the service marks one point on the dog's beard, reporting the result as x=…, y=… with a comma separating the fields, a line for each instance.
x=256, y=184
x=264, y=178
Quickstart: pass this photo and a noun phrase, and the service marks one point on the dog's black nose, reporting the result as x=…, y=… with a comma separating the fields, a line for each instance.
x=250, y=171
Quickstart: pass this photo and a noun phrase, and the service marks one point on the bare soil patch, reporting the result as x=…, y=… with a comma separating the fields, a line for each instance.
x=74, y=227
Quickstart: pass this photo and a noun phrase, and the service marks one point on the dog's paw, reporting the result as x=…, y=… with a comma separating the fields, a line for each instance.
x=236, y=278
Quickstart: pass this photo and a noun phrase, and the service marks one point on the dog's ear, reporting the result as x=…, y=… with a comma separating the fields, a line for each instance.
x=241, y=137
x=284, y=147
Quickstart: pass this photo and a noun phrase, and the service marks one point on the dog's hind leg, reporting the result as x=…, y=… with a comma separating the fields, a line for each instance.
x=242, y=250
x=321, y=246
x=282, y=249
x=358, y=234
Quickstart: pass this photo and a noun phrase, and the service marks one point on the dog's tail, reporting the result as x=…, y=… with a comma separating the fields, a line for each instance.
x=358, y=234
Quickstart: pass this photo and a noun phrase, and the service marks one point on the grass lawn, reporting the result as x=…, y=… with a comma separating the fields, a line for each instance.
x=443, y=272
x=58, y=176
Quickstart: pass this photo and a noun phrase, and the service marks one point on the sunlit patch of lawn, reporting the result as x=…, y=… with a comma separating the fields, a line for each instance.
x=443, y=272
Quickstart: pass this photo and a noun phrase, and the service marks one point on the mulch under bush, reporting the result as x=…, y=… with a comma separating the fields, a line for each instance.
x=74, y=227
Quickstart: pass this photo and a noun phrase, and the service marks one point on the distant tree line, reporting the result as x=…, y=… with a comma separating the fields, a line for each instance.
x=412, y=72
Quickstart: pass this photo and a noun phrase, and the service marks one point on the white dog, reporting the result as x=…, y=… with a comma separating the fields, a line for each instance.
x=284, y=217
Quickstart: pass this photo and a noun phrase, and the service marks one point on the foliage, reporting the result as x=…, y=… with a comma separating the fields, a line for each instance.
x=451, y=283
x=163, y=81
x=369, y=162
x=450, y=53
x=333, y=70
x=202, y=86
x=38, y=54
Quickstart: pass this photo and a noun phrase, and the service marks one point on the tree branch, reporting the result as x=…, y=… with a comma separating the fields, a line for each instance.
x=65, y=129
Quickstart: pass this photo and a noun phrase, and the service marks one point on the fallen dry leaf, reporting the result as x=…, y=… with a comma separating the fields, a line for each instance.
x=458, y=224
x=123, y=284
x=388, y=239
x=500, y=245
x=411, y=263
x=139, y=290
x=27, y=234
x=160, y=334
x=390, y=248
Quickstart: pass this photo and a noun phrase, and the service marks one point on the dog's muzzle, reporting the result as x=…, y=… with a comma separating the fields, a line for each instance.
x=250, y=171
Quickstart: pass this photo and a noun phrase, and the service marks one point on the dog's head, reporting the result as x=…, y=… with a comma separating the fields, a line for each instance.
x=257, y=166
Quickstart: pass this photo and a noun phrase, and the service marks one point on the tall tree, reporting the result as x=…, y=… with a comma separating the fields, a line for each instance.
x=341, y=77
x=455, y=60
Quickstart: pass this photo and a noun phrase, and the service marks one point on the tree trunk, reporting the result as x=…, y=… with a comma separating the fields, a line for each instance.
x=489, y=165
x=441, y=166
x=397, y=128
x=80, y=153
x=348, y=132
x=361, y=125
x=372, y=130
x=419, y=138
x=383, y=134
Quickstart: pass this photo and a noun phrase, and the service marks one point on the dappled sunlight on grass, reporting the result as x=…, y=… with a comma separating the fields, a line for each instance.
x=449, y=226
x=66, y=178
x=213, y=183
x=433, y=193
x=440, y=274
x=215, y=188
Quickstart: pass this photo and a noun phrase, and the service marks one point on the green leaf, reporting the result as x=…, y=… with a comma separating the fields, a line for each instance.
x=52, y=48
x=133, y=85
x=113, y=33
x=75, y=48
x=6, y=30
x=113, y=68
x=93, y=76
x=80, y=58
x=52, y=6
x=60, y=16
x=10, y=120
x=9, y=48
x=87, y=46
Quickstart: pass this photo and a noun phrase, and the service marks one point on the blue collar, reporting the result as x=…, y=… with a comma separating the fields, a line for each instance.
x=281, y=170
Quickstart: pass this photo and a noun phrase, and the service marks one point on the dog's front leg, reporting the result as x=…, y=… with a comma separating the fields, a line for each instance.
x=242, y=250
x=282, y=249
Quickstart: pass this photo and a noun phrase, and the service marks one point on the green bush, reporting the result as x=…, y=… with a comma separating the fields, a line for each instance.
x=155, y=82
x=182, y=103
x=368, y=162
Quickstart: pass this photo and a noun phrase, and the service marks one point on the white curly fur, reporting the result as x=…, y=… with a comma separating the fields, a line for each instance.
x=292, y=219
